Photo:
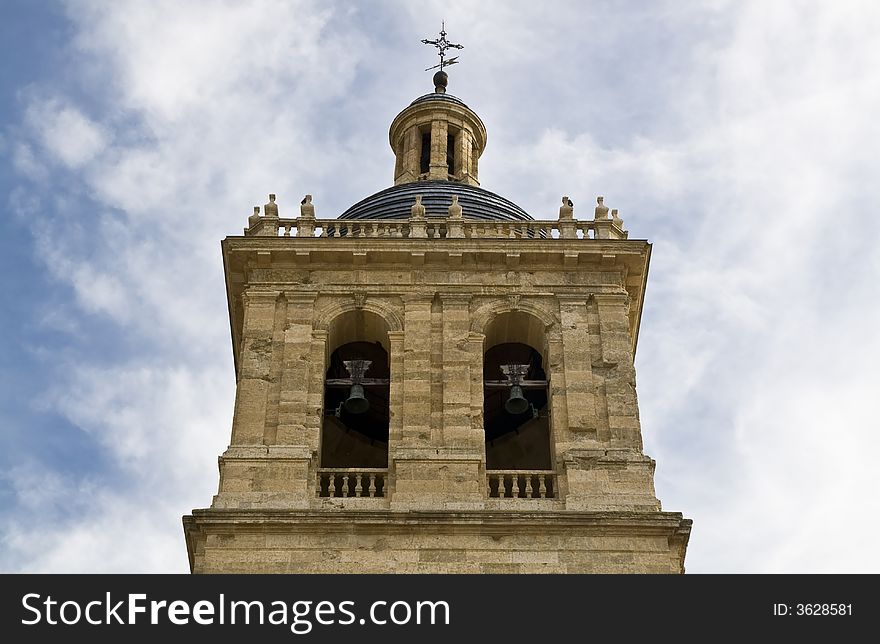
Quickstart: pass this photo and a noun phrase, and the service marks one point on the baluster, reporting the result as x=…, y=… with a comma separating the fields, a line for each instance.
x=542, y=489
x=361, y=232
x=371, y=491
x=514, y=480
x=358, y=488
x=489, y=486
x=501, y=491
x=530, y=487
x=331, y=489
x=345, y=485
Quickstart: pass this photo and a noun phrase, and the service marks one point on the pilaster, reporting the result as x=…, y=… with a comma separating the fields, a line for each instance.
x=416, y=381
x=294, y=408
x=438, y=168
x=249, y=418
x=457, y=362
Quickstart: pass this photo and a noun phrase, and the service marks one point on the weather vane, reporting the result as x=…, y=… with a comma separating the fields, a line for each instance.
x=442, y=45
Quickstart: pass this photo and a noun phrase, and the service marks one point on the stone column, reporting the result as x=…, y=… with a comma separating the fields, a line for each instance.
x=576, y=365
x=476, y=342
x=438, y=168
x=416, y=370
x=466, y=153
x=555, y=370
x=617, y=360
x=254, y=363
x=395, y=404
x=411, y=143
x=253, y=472
x=297, y=366
x=611, y=473
x=315, y=411
x=457, y=361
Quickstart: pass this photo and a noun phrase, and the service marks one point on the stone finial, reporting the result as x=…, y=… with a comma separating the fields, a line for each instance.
x=601, y=209
x=306, y=209
x=441, y=80
x=254, y=219
x=418, y=210
x=566, y=210
x=454, y=208
x=616, y=220
x=271, y=208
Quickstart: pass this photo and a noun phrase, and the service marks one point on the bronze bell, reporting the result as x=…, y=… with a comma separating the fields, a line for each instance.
x=517, y=403
x=356, y=403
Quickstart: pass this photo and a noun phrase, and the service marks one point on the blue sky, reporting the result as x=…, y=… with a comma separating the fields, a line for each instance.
x=739, y=137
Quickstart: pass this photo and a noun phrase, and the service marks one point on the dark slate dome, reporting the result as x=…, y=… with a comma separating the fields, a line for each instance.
x=436, y=96
x=396, y=202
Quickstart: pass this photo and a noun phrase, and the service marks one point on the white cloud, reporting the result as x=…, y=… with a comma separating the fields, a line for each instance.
x=203, y=116
x=25, y=162
x=66, y=133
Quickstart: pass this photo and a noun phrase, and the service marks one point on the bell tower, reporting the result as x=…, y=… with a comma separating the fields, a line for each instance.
x=435, y=381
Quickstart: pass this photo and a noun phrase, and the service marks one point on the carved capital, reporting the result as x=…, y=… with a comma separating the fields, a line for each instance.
x=255, y=294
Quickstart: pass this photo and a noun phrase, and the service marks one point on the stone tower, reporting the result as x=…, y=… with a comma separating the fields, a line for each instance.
x=434, y=381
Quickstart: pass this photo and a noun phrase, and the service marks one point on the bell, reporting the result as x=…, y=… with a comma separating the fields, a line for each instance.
x=356, y=402
x=517, y=403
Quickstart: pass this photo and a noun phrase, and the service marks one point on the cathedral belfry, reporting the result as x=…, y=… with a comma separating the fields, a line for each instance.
x=435, y=381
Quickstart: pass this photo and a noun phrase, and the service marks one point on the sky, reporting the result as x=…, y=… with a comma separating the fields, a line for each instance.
x=740, y=138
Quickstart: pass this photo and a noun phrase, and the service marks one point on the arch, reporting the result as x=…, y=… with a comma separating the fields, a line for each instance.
x=327, y=314
x=506, y=321
x=484, y=314
x=357, y=325
x=355, y=438
x=515, y=336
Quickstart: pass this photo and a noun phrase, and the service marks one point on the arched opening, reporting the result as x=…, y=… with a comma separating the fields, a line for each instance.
x=425, y=152
x=515, y=407
x=354, y=433
x=450, y=154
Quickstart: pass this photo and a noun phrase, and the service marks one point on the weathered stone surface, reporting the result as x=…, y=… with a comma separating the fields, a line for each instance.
x=347, y=541
x=436, y=294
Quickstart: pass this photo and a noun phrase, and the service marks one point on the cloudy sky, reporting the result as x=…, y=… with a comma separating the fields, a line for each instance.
x=741, y=138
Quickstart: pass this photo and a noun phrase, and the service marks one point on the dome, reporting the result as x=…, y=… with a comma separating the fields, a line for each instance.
x=436, y=96
x=396, y=202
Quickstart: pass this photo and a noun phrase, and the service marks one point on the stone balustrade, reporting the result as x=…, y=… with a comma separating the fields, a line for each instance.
x=351, y=482
x=455, y=225
x=521, y=484
x=436, y=228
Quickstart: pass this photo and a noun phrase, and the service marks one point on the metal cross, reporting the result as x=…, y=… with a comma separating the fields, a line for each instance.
x=442, y=45
x=356, y=370
x=515, y=374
